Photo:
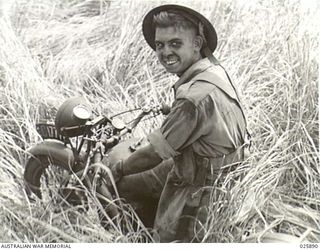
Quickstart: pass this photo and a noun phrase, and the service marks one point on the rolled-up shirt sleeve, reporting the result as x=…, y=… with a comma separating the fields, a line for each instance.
x=176, y=130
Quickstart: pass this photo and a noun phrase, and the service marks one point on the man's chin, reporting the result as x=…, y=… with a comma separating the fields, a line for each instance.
x=172, y=70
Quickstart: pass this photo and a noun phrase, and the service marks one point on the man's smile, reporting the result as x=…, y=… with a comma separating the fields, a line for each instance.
x=170, y=61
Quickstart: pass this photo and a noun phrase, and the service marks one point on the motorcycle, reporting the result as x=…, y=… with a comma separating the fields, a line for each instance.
x=83, y=146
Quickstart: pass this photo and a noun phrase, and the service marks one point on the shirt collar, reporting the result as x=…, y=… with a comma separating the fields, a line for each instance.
x=192, y=71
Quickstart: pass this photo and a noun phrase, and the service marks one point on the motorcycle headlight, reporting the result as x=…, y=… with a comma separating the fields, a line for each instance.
x=72, y=116
x=82, y=112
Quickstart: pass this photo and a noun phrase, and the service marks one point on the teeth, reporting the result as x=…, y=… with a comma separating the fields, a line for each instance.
x=171, y=62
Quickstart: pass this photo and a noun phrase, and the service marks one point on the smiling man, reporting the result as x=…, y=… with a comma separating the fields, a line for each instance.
x=203, y=135
x=174, y=46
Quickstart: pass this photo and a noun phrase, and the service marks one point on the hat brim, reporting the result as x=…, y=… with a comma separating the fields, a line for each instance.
x=149, y=31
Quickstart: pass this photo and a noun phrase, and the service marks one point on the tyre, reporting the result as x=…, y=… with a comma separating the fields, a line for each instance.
x=45, y=176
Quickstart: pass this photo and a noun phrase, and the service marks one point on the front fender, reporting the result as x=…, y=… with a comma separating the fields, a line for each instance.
x=54, y=149
x=41, y=155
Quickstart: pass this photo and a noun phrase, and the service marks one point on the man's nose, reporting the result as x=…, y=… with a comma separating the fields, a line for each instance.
x=166, y=51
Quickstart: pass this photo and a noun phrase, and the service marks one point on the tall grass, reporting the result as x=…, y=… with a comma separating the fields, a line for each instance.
x=52, y=50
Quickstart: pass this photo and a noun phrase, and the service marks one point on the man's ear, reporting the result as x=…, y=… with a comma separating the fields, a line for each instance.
x=198, y=42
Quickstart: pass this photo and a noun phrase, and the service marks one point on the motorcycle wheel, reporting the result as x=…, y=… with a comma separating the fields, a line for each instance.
x=46, y=177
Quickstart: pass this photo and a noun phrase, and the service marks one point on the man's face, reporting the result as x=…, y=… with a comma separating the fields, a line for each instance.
x=177, y=48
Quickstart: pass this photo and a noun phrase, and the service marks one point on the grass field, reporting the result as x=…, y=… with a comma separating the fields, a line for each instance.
x=52, y=50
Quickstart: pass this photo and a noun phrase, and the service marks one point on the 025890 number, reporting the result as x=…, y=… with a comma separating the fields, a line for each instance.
x=309, y=245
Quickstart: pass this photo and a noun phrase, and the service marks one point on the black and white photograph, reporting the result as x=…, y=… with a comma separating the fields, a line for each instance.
x=157, y=121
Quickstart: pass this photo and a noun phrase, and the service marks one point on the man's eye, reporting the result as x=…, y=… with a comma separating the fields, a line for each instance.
x=175, y=44
x=158, y=45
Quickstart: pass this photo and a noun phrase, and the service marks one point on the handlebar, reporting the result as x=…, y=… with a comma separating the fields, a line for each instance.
x=164, y=109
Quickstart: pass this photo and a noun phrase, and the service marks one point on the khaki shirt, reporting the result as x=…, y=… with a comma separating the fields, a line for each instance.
x=206, y=121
